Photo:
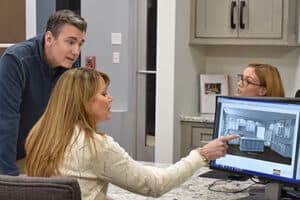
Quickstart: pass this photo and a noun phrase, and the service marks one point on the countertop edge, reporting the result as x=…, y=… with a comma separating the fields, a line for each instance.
x=204, y=118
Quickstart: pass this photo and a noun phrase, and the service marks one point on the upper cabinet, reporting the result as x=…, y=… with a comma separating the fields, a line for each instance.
x=243, y=22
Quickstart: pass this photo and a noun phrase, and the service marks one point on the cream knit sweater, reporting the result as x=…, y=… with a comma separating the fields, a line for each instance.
x=94, y=168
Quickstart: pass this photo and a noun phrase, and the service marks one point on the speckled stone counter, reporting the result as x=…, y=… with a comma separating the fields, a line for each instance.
x=204, y=118
x=194, y=188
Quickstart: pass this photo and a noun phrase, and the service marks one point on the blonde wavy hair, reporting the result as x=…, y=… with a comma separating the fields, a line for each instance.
x=269, y=77
x=48, y=139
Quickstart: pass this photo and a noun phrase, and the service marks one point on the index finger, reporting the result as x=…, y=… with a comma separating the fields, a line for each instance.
x=229, y=137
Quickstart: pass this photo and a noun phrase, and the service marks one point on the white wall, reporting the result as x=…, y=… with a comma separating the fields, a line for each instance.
x=44, y=8
x=178, y=66
x=104, y=18
x=31, y=18
x=233, y=60
x=189, y=62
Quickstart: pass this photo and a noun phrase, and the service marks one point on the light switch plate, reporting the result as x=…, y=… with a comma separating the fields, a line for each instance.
x=116, y=38
x=116, y=57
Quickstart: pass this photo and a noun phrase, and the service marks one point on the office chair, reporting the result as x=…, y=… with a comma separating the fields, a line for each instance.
x=39, y=188
x=297, y=93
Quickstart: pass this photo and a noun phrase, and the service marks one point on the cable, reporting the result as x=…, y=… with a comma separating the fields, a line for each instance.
x=259, y=181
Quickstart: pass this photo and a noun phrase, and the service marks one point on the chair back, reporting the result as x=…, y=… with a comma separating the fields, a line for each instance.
x=297, y=94
x=39, y=188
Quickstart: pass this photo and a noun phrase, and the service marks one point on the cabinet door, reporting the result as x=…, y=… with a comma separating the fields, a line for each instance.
x=262, y=19
x=213, y=18
x=201, y=136
x=195, y=134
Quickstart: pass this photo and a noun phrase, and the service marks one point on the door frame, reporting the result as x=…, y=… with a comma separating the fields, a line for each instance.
x=30, y=18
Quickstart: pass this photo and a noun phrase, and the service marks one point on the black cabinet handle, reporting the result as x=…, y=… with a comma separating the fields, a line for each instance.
x=242, y=5
x=233, y=5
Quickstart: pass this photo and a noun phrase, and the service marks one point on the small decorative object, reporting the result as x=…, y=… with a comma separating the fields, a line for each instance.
x=212, y=85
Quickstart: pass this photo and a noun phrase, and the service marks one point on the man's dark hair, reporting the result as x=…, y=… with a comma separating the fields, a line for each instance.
x=62, y=17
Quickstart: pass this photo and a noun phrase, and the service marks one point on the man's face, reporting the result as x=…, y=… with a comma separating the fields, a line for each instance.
x=65, y=48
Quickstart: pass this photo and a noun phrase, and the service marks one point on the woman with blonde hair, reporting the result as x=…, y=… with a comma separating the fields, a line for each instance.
x=260, y=79
x=64, y=142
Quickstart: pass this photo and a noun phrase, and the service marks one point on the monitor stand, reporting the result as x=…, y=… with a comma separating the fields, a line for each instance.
x=219, y=174
x=272, y=191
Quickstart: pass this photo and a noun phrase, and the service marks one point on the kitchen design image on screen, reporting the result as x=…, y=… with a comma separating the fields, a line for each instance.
x=264, y=135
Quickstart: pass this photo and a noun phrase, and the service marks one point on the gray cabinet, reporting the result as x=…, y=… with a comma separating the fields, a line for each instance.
x=195, y=134
x=252, y=22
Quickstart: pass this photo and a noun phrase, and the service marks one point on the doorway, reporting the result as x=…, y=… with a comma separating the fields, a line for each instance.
x=146, y=79
x=73, y=5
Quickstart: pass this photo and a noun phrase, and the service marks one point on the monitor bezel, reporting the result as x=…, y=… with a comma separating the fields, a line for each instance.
x=261, y=176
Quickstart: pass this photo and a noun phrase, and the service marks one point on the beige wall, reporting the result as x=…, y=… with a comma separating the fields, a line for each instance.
x=12, y=21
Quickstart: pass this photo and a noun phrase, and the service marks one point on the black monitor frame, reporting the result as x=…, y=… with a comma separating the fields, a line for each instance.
x=294, y=183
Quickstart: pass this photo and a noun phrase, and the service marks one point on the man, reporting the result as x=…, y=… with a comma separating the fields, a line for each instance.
x=28, y=72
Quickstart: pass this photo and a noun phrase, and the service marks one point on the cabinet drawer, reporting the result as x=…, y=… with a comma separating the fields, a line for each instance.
x=201, y=136
x=195, y=134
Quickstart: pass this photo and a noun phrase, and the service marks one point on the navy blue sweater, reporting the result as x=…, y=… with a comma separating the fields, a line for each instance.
x=26, y=81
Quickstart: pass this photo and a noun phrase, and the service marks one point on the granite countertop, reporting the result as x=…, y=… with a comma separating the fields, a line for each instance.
x=208, y=118
x=194, y=188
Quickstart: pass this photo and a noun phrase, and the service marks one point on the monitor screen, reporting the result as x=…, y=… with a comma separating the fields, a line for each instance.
x=268, y=146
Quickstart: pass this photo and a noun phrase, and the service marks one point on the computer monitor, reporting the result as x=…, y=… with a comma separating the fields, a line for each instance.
x=268, y=146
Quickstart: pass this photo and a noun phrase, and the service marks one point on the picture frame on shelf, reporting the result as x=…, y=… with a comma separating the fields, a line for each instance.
x=212, y=85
